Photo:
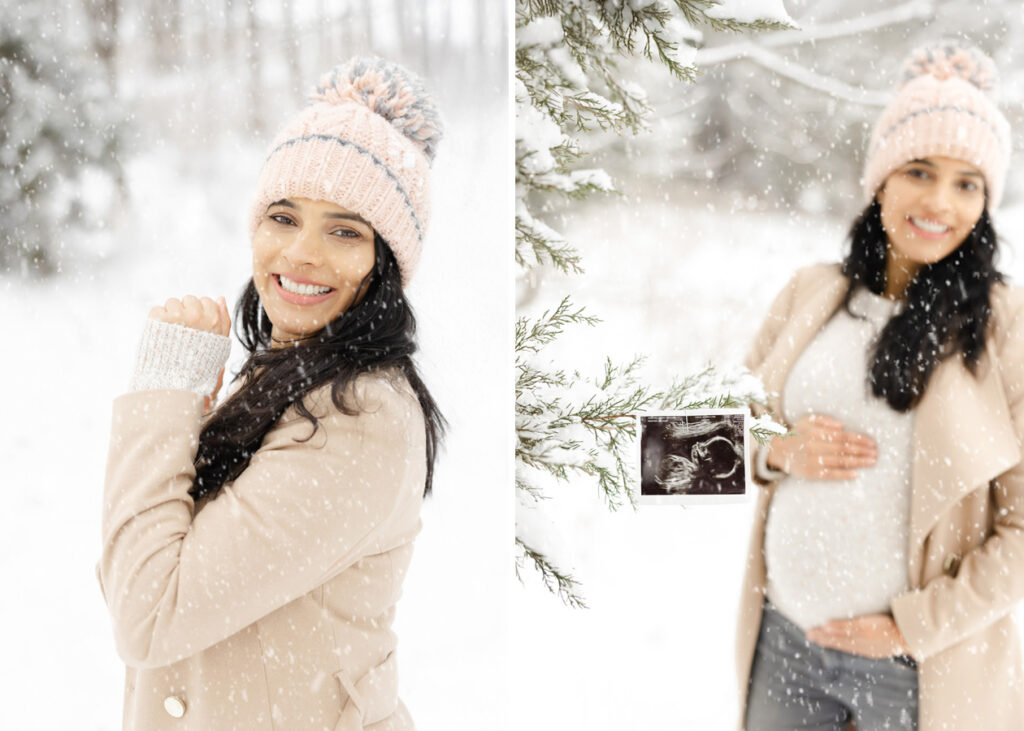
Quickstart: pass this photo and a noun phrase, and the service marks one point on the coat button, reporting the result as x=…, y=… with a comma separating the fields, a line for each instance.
x=175, y=706
x=951, y=564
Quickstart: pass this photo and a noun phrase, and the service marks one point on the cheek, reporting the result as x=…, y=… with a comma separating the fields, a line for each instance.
x=351, y=266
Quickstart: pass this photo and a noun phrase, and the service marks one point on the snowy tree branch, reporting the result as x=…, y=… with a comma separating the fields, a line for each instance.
x=909, y=11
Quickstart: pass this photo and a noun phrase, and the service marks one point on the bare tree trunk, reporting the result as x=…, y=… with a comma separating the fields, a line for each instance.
x=345, y=36
x=229, y=28
x=163, y=21
x=418, y=13
x=254, y=60
x=290, y=43
x=103, y=17
x=368, y=24
x=401, y=26
x=324, y=59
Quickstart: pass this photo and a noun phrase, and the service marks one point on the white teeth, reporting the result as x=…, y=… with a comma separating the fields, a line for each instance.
x=305, y=289
x=932, y=228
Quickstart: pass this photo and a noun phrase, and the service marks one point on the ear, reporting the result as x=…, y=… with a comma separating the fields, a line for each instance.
x=880, y=194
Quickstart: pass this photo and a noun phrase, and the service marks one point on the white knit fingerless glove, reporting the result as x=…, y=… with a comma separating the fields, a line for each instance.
x=179, y=357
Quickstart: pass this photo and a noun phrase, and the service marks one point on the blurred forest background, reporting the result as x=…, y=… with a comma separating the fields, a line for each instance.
x=85, y=86
x=780, y=121
x=762, y=156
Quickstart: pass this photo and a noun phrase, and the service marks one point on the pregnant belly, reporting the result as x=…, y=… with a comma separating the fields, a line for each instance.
x=835, y=549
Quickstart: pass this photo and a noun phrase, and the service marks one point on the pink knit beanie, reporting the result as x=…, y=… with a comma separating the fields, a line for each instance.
x=944, y=107
x=365, y=142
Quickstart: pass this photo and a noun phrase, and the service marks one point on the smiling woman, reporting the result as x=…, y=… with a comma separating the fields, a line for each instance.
x=254, y=552
x=887, y=599
x=311, y=261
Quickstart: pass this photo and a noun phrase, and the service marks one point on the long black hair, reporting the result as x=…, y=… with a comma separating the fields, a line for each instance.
x=947, y=307
x=375, y=334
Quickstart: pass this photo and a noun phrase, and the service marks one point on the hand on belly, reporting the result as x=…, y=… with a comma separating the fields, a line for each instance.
x=870, y=635
x=819, y=448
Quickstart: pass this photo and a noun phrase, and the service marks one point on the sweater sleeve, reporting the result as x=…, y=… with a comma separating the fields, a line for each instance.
x=177, y=582
x=175, y=356
x=990, y=580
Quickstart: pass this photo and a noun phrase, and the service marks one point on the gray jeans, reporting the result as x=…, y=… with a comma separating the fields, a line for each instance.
x=795, y=684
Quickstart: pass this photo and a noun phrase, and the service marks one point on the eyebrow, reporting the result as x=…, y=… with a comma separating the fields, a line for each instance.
x=348, y=216
x=934, y=166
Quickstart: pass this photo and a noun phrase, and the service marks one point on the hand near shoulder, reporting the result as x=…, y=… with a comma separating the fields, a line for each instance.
x=191, y=354
x=820, y=448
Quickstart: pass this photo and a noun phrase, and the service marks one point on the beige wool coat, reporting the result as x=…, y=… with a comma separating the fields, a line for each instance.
x=270, y=606
x=966, y=545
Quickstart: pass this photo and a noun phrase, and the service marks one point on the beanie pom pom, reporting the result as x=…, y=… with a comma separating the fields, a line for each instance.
x=388, y=90
x=950, y=59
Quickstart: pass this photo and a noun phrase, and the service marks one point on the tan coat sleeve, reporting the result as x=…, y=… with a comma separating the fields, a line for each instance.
x=990, y=581
x=301, y=512
x=778, y=315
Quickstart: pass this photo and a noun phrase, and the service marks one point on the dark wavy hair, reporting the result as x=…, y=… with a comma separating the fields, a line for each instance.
x=947, y=307
x=375, y=334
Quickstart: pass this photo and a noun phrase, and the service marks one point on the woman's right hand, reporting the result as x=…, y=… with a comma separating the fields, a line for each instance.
x=199, y=313
x=820, y=449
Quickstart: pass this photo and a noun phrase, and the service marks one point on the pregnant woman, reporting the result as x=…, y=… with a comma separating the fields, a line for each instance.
x=887, y=553
x=253, y=555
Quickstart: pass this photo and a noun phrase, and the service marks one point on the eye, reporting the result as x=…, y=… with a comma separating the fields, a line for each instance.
x=346, y=233
x=969, y=186
x=282, y=218
x=919, y=173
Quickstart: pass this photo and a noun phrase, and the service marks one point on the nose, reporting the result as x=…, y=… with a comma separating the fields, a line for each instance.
x=939, y=198
x=303, y=249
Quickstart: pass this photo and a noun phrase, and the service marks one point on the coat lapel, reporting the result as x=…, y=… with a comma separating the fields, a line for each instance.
x=807, y=318
x=963, y=438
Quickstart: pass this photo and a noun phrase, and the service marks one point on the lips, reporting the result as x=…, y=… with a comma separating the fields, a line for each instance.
x=299, y=291
x=927, y=228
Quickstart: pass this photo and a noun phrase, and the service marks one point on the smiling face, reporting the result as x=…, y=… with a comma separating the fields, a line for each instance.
x=311, y=261
x=929, y=207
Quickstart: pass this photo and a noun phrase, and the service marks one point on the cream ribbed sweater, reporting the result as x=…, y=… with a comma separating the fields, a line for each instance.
x=838, y=549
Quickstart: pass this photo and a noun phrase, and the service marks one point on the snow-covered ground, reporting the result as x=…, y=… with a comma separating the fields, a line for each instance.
x=686, y=285
x=69, y=350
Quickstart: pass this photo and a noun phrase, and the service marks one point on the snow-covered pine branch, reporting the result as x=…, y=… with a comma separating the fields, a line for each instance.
x=571, y=426
x=918, y=10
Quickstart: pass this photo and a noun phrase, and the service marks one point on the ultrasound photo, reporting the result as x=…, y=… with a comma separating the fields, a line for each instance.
x=696, y=454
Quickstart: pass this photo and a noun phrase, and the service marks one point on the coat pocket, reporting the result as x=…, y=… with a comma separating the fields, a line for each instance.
x=371, y=698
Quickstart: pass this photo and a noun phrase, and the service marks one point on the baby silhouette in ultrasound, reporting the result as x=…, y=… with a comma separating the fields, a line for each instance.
x=693, y=455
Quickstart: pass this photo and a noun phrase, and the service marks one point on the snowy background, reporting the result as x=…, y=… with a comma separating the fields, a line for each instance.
x=196, y=119
x=741, y=179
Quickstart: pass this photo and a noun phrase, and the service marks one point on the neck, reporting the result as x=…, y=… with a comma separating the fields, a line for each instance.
x=898, y=274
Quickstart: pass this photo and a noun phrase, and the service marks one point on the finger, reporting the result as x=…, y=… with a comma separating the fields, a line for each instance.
x=211, y=314
x=826, y=473
x=193, y=311
x=844, y=461
x=853, y=440
x=225, y=316
x=158, y=313
x=175, y=311
x=826, y=422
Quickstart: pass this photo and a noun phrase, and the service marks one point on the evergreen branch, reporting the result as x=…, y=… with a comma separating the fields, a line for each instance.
x=560, y=255
x=696, y=13
x=531, y=337
x=557, y=581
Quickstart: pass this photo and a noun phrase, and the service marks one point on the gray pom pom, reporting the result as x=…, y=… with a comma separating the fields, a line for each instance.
x=389, y=90
x=949, y=59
